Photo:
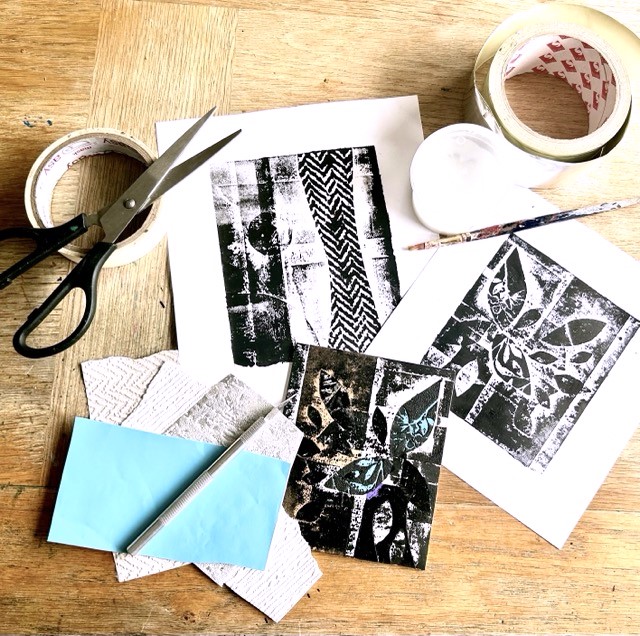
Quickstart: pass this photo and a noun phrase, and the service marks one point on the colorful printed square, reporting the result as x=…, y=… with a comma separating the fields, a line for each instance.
x=365, y=479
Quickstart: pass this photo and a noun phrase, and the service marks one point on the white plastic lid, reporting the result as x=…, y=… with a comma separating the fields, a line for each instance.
x=464, y=178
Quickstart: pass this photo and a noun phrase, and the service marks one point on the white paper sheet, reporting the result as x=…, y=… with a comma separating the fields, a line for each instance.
x=172, y=401
x=549, y=498
x=392, y=126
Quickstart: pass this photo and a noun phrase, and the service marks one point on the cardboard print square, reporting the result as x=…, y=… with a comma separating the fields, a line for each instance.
x=529, y=344
x=365, y=480
x=305, y=247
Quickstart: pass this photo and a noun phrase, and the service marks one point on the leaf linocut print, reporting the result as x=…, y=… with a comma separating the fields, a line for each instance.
x=540, y=331
x=530, y=344
x=365, y=479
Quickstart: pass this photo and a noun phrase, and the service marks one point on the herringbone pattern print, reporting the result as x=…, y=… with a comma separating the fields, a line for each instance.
x=327, y=178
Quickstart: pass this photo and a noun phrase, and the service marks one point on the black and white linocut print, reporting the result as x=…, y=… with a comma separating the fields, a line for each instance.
x=305, y=245
x=530, y=344
x=365, y=479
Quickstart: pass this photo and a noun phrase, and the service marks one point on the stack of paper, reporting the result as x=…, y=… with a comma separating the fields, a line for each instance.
x=304, y=220
x=254, y=548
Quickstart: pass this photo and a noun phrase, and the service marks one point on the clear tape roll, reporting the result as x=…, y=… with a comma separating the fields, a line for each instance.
x=584, y=47
x=57, y=158
x=476, y=174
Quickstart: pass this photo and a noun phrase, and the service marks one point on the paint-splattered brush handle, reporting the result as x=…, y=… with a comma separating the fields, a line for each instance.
x=526, y=224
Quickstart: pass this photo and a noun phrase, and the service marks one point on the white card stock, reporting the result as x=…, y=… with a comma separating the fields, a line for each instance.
x=301, y=218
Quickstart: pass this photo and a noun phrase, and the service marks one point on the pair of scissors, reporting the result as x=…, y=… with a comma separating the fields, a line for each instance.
x=161, y=176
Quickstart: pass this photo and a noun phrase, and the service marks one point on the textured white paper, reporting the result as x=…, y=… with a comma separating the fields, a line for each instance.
x=392, y=126
x=176, y=404
x=273, y=591
x=551, y=502
x=169, y=395
x=115, y=385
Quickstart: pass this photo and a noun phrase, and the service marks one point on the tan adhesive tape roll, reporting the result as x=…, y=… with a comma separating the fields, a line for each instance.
x=55, y=160
x=587, y=49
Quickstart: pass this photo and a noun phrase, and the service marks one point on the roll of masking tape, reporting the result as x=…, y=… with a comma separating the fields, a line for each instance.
x=55, y=160
x=493, y=149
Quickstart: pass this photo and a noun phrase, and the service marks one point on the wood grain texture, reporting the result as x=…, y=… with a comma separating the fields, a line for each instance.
x=46, y=73
x=144, y=72
x=129, y=63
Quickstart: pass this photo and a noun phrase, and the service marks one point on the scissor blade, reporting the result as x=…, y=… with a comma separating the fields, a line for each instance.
x=143, y=191
x=184, y=169
x=162, y=165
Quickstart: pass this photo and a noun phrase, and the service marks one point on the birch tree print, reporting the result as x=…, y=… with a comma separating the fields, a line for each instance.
x=305, y=247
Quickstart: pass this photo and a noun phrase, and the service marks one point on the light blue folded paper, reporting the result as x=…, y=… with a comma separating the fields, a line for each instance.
x=116, y=480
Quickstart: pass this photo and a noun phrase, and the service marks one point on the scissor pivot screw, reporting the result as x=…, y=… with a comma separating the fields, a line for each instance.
x=129, y=203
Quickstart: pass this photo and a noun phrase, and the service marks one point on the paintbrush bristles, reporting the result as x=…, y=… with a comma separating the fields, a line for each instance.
x=423, y=246
x=441, y=240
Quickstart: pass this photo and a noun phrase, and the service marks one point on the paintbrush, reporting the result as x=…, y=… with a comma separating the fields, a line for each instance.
x=517, y=226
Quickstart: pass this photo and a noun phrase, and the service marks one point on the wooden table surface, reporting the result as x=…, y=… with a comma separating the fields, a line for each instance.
x=125, y=64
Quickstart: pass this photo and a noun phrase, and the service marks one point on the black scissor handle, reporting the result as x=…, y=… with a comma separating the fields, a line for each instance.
x=83, y=276
x=47, y=240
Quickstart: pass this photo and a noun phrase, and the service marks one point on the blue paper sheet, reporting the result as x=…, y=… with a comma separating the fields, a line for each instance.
x=116, y=480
